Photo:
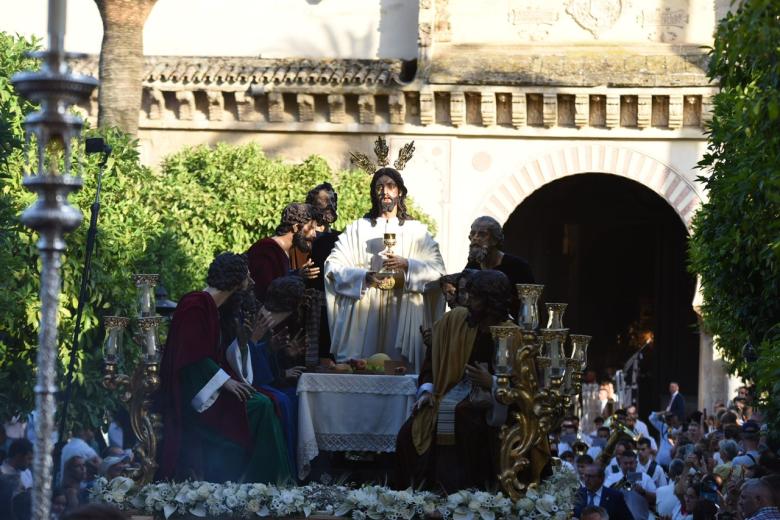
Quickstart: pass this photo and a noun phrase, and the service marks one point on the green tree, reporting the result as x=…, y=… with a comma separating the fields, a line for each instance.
x=735, y=245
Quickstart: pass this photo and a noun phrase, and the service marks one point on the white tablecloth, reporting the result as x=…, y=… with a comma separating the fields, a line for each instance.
x=347, y=412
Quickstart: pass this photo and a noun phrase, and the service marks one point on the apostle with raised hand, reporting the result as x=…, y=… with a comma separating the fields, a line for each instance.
x=215, y=426
x=364, y=318
x=269, y=258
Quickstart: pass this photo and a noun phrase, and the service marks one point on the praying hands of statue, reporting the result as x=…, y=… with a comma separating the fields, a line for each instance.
x=297, y=345
x=309, y=271
x=395, y=262
x=241, y=390
x=263, y=323
x=478, y=375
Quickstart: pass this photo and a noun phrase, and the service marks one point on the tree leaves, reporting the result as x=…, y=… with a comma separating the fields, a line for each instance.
x=736, y=233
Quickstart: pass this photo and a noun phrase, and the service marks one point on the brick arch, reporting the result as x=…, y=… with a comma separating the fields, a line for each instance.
x=670, y=185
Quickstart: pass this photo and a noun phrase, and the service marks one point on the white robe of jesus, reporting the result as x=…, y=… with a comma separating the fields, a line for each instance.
x=364, y=321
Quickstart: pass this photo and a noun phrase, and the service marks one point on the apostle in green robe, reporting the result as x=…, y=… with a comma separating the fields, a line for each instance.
x=215, y=426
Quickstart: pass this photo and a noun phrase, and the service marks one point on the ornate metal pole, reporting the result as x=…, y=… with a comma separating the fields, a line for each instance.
x=54, y=128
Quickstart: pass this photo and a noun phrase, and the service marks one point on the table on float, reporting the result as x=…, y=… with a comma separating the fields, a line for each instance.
x=350, y=412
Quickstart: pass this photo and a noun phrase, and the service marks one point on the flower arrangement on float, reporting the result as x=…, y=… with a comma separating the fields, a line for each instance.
x=553, y=499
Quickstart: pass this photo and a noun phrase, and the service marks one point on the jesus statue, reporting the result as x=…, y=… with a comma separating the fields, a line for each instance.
x=365, y=316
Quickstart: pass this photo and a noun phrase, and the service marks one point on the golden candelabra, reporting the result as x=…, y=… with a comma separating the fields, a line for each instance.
x=539, y=379
x=136, y=391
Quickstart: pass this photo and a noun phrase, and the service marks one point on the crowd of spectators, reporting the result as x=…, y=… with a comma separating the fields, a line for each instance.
x=709, y=465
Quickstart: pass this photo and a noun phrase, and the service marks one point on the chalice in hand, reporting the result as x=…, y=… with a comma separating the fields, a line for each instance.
x=385, y=275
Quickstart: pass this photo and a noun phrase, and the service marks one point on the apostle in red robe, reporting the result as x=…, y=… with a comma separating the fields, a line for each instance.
x=215, y=426
x=269, y=258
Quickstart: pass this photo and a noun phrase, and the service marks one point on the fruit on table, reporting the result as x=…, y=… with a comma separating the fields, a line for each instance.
x=342, y=368
x=376, y=363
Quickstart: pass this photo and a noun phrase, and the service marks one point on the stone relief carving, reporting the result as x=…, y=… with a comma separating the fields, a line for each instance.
x=663, y=25
x=595, y=16
x=532, y=22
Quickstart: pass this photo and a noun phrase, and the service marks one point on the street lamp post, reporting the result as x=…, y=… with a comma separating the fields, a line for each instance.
x=52, y=130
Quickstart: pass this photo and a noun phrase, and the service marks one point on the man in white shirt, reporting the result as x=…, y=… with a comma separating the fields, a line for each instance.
x=639, y=425
x=665, y=500
x=751, y=434
x=648, y=465
x=664, y=423
x=638, y=488
x=17, y=464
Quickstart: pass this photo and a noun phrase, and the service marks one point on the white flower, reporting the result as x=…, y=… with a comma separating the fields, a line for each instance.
x=203, y=491
x=525, y=504
x=546, y=505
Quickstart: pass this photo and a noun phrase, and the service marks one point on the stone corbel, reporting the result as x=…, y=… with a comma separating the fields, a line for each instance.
x=581, y=110
x=613, y=111
x=216, y=104
x=397, y=105
x=427, y=108
x=245, y=106
x=457, y=108
x=305, y=107
x=186, y=100
x=367, y=109
x=644, y=110
x=337, y=108
x=550, y=110
x=156, y=103
x=675, y=112
x=488, y=107
x=519, y=110
x=275, y=107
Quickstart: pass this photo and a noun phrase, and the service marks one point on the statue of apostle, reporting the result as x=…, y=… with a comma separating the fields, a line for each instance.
x=451, y=441
x=363, y=318
x=215, y=426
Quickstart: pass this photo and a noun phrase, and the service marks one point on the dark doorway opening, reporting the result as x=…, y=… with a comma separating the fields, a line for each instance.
x=616, y=253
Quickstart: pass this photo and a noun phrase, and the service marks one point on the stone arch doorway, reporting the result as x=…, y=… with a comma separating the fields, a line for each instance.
x=616, y=252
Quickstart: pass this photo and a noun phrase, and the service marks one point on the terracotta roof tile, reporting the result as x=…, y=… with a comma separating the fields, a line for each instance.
x=288, y=72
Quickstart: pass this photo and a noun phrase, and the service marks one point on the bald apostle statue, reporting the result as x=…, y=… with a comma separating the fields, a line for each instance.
x=364, y=318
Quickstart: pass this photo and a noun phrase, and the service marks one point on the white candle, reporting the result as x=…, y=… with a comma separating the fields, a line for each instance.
x=151, y=343
x=57, y=12
x=111, y=347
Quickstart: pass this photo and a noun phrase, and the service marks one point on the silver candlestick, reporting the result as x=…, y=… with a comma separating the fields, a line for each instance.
x=55, y=88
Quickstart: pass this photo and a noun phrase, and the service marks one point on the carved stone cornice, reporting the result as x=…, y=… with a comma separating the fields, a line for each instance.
x=206, y=97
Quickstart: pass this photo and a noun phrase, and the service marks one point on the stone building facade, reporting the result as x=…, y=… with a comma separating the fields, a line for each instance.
x=501, y=97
